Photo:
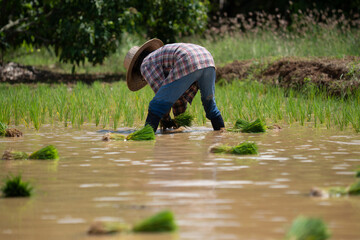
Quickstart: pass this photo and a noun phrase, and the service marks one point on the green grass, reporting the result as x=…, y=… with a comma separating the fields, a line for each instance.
x=304, y=228
x=244, y=148
x=184, y=120
x=49, y=152
x=14, y=186
x=241, y=125
x=79, y=104
x=161, y=222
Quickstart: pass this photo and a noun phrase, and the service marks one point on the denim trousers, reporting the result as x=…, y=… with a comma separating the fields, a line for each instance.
x=168, y=94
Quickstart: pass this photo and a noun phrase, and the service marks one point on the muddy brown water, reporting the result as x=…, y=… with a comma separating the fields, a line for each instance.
x=213, y=196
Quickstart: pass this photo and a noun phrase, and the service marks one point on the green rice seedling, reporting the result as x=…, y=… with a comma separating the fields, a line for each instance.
x=146, y=133
x=357, y=174
x=304, y=228
x=244, y=126
x=184, y=120
x=15, y=187
x=3, y=128
x=101, y=228
x=14, y=155
x=244, y=148
x=161, y=222
x=48, y=152
x=354, y=189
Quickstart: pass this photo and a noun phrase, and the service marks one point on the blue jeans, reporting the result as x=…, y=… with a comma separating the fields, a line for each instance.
x=170, y=93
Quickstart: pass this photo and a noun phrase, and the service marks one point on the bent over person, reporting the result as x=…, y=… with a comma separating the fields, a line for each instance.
x=175, y=72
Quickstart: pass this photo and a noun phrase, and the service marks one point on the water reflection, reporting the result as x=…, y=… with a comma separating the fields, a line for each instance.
x=213, y=196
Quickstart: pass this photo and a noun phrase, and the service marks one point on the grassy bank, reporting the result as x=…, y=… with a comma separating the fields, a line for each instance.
x=113, y=105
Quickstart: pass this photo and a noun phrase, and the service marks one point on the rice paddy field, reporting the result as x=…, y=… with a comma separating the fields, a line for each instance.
x=312, y=142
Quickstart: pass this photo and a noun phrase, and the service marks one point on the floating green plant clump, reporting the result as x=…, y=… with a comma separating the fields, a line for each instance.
x=161, y=222
x=14, y=155
x=48, y=152
x=304, y=228
x=146, y=133
x=244, y=148
x=16, y=187
x=244, y=126
x=184, y=120
x=354, y=189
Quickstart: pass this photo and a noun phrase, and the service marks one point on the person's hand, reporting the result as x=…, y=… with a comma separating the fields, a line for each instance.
x=167, y=123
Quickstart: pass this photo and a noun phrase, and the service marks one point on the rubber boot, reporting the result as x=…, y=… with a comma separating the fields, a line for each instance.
x=217, y=123
x=152, y=120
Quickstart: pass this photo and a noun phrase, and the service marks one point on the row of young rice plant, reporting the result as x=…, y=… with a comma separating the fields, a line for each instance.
x=113, y=105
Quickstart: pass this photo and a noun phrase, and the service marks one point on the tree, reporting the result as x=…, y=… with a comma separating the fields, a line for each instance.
x=91, y=29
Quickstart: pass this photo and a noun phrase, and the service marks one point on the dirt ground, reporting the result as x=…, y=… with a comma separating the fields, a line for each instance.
x=336, y=75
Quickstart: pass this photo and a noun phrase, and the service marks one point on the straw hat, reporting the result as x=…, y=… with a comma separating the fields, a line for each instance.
x=133, y=60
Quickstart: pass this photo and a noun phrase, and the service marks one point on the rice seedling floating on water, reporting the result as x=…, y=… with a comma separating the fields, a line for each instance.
x=244, y=148
x=244, y=126
x=161, y=222
x=184, y=120
x=14, y=155
x=15, y=187
x=100, y=228
x=354, y=189
x=304, y=228
x=48, y=152
x=146, y=133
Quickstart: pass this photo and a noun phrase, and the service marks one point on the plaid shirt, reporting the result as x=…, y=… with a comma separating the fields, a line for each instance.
x=172, y=62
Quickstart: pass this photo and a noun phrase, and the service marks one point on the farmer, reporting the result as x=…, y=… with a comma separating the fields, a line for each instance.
x=175, y=72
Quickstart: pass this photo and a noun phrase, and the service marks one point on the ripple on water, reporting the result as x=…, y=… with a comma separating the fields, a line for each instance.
x=70, y=220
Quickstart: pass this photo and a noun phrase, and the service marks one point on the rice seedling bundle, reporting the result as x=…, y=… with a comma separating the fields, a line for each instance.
x=16, y=187
x=161, y=222
x=354, y=189
x=146, y=133
x=304, y=228
x=357, y=174
x=184, y=120
x=244, y=126
x=14, y=155
x=244, y=148
x=48, y=152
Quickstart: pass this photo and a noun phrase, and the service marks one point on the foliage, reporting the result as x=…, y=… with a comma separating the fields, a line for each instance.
x=244, y=148
x=304, y=228
x=166, y=19
x=244, y=126
x=15, y=187
x=80, y=30
x=3, y=128
x=161, y=222
x=354, y=189
x=146, y=133
x=184, y=120
x=77, y=29
x=48, y=152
